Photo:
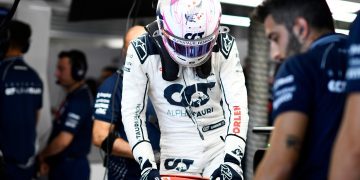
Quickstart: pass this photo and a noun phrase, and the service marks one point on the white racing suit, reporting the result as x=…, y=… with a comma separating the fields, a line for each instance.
x=188, y=109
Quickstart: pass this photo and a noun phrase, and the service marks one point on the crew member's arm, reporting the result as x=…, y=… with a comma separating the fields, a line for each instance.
x=346, y=153
x=76, y=113
x=285, y=144
x=107, y=115
x=134, y=101
x=293, y=93
x=57, y=145
x=101, y=131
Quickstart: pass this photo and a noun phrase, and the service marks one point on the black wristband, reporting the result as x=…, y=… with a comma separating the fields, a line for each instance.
x=108, y=143
x=231, y=159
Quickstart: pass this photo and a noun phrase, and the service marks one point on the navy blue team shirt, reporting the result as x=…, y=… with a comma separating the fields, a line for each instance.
x=314, y=83
x=21, y=92
x=75, y=117
x=122, y=168
x=353, y=72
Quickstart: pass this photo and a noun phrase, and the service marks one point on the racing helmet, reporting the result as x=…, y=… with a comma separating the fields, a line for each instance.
x=189, y=29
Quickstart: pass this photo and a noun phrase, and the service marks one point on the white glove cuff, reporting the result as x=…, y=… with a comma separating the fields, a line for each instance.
x=143, y=152
x=235, y=146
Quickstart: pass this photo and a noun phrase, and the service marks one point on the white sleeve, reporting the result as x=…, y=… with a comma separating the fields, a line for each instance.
x=234, y=95
x=133, y=107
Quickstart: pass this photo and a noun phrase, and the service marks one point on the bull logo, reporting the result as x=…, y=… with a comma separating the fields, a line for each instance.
x=198, y=97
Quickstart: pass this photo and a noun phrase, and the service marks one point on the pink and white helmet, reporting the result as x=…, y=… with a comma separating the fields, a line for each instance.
x=189, y=29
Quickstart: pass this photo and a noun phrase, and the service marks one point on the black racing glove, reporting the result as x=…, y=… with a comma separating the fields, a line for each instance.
x=231, y=168
x=228, y=171
x=150, y=174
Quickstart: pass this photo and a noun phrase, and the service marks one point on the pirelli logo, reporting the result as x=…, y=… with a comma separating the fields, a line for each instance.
x=237, y=119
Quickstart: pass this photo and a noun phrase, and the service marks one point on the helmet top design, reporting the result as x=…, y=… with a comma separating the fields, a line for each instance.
x=189, y=29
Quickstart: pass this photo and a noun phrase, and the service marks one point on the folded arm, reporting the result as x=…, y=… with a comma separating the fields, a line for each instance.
x=101, y=130
x=285, y=145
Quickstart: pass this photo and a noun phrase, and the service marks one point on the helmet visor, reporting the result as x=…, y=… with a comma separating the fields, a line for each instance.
x=190, y=48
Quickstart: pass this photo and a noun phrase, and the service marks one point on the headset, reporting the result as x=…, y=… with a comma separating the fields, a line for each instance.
x=78, y=65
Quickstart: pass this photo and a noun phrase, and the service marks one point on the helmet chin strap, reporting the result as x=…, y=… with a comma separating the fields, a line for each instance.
x=170, y=69
x=204, y=70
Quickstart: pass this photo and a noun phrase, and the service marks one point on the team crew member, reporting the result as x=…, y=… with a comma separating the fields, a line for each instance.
x=192, y=73
x=308, y=90
x=21, y=92
x=107, y=114
x=70, y=139
x=345, y=160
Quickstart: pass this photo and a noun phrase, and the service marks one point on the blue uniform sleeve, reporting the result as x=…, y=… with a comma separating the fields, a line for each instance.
x=103, y=107
x=77, y=114
x=292, y=90
x=353, y=71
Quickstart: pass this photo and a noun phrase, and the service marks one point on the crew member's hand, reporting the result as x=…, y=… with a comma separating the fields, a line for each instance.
x=150, y=174
x=228, y=171
x=44, y=169
x=43, y=166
